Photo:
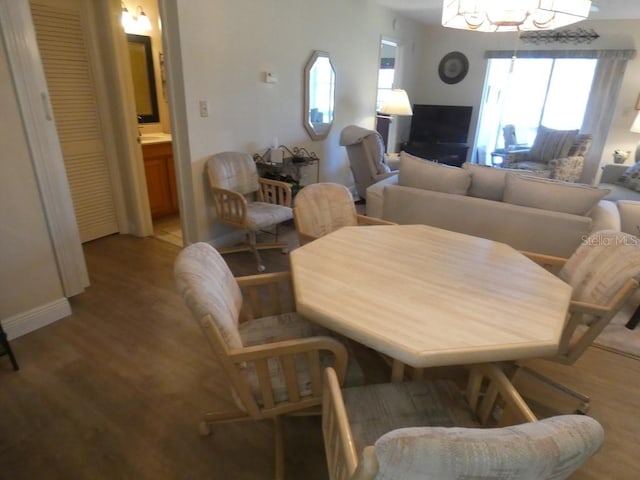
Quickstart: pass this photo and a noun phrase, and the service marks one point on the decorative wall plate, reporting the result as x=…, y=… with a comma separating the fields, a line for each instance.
x=453, y=67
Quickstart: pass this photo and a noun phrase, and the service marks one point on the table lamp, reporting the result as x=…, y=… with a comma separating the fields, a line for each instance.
x=635, y=128
x=397, y=103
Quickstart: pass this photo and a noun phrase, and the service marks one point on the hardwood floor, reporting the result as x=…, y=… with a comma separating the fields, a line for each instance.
x=116, y=390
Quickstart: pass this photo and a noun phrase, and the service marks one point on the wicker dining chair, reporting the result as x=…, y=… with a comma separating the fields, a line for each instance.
x=244, y=200
x=321, y=208
x=430, y=430
x=272, y=357
x=604, y=272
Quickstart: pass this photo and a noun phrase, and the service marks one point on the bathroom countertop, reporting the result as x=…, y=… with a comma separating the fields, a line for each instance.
x=148, y=138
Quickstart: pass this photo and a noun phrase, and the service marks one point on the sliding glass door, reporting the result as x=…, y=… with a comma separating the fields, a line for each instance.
x=528, y=92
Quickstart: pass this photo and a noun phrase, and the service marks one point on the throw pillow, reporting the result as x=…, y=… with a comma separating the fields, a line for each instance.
x=631, y=178
x=555, y=195
x=417, y=172
x=580, y=145
x=487, y=182
x=550, y=144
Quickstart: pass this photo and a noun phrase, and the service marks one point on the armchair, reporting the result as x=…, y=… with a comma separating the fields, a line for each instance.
x=244, y=200
x=604, y=272
x=272, y=357
x=555, y=154
x=322, y=208
x=365, y=149
x=428, y=430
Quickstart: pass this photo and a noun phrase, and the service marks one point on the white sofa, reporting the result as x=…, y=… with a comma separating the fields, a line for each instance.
x=625, y=193
x=524, y=211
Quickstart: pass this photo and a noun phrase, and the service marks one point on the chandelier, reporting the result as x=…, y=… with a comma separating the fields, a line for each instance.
x=512, y=15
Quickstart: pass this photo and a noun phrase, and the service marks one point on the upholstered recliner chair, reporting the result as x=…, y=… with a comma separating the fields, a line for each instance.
x=555, y=154
x=365, y=149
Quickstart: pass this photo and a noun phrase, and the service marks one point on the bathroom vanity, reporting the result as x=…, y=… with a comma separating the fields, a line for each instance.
x=157, y=151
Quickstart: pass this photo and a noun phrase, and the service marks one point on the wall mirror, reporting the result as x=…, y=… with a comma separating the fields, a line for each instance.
x=144, y=82
x=320, y=82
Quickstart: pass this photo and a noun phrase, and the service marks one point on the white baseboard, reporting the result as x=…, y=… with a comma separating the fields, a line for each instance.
x=36, y=318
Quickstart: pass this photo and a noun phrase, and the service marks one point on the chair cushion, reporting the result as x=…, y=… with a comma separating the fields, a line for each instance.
x=375, y=147
x=210, y=290
x=555, y=195
x=420, y=173
x=550, y=144
x=262, y=215
x=630, y=178
x=550, y=448
x=235, y=171
x=435, y=403
x=289, y=326
x=535, y=168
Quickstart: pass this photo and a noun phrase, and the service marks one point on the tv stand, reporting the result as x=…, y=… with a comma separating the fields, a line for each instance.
x=454, y=154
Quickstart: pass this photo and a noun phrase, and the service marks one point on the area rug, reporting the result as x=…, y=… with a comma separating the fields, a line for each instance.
x=619, y=339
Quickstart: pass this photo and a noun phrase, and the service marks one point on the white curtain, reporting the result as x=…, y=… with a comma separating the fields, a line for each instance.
x=599, y=113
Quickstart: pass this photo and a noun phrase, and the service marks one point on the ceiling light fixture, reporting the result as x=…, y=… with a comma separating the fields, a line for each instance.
x=512, y=15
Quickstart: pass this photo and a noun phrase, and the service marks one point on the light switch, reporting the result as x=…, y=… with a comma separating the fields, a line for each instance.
x=270, y=77
x=204, y=108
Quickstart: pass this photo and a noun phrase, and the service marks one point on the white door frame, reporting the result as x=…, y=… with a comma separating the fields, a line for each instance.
x=46, y=155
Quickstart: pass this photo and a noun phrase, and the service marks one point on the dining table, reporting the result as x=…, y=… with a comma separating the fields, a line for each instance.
x=428, y=297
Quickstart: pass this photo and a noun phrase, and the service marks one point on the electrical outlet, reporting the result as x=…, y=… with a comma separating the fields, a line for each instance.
x=204, y=108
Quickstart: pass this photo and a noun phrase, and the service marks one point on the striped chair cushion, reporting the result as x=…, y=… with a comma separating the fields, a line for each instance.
x=288, y=326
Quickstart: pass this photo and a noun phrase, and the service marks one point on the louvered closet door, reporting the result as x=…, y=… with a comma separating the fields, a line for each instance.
x=66, y=61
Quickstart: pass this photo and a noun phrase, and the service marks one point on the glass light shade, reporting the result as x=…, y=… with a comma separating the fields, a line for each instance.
x=397, y=103
x=127, y=20
x=512, y=15
x=143, y=22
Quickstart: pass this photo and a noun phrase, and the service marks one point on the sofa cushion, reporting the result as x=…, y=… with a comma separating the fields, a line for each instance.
x=487, y=182
x=630, y=178
x=550, y=144
x=417, y=172
x=536, y=192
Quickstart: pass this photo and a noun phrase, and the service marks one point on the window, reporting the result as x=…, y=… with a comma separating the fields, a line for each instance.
x=387, y=70
x=528, y=92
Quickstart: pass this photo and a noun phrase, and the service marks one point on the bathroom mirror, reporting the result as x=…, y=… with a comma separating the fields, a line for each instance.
x=320, y=82
x=144, y=82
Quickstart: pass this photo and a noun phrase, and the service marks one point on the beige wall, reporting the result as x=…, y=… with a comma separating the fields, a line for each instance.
x=227, y=45
x=28, y=272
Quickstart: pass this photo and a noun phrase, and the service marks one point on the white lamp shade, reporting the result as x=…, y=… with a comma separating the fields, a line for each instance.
x=513, y=15
x=397, y=103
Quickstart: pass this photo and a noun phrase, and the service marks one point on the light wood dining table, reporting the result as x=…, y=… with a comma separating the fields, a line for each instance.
x=430, y=297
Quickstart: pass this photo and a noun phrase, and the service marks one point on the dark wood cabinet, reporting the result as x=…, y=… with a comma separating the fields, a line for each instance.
x=454, y=154
x=161, y=180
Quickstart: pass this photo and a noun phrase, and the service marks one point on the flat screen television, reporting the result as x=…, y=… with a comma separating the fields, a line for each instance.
x=440, y=124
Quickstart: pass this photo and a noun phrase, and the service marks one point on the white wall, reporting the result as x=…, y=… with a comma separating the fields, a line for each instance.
x=439, y=41
x=227, y=45
x=29, y=278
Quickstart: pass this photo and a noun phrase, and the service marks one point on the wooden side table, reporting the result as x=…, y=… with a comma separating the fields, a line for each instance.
x=5, y=348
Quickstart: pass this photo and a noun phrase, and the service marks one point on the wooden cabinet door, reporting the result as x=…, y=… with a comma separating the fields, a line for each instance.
x=161, y=181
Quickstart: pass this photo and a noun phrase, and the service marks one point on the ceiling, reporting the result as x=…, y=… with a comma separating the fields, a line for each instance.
x=429, y=12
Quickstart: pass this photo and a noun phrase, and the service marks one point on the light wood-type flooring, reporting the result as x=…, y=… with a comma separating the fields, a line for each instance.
x=116, y=390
